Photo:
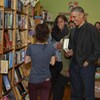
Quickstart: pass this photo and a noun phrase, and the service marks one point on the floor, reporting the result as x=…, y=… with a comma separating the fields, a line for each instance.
x=67, y=93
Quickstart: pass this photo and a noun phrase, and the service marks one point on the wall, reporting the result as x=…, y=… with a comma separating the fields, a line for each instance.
x=92, y=7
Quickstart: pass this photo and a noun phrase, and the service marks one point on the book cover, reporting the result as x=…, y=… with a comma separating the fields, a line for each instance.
x=4, y=66
x=11, y=56
x=65, y=44
x=6, y=40
x=6, y=82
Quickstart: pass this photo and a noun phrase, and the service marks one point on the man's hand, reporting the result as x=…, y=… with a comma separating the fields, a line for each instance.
x=85, y=64
x=68, y=53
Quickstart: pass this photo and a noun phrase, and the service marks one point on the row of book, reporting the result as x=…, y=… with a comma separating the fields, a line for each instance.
x=18, y=74
x=8, y=19
x=9, y=4
x=10, y=59
x=8, y=39
x=19, y=5
x=8, y=92
x=19, y=56
x=21, y=21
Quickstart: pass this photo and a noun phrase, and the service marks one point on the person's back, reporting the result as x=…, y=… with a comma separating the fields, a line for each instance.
x=41, y=55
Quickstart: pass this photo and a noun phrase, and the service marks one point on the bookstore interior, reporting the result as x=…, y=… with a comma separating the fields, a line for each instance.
x=18, y=19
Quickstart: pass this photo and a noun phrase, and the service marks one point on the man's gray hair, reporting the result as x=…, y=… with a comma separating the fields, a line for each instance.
x=78, y=9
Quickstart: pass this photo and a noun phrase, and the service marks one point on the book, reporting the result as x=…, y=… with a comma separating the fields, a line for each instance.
x=21, y=71
x=4, y=66
x=65, y=44
x=20, y=88
x=6, y=82
x=10, y=58
x=15, y=76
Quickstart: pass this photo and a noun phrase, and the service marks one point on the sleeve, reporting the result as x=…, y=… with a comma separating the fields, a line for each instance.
x=28, y=51
x=95, y=38
x=70, y=46
x=53, y=52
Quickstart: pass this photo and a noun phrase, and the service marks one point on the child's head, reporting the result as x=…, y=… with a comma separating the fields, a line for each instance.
x=60, y=21
x=42, y=33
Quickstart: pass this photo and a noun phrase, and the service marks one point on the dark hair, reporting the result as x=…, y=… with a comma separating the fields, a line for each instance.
x=97, y=23
x=78, y=9
x=60, y=16
x=42, y=33
x=56, y=32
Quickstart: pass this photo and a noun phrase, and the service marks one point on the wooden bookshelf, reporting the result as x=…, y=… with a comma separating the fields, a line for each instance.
x=14, y=39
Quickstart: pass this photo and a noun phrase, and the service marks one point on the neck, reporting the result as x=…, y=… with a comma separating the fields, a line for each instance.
x=81, y=24
x=41, y=43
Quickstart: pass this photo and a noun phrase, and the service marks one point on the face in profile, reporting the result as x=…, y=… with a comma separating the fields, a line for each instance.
x=77, y=18
x=61, y=23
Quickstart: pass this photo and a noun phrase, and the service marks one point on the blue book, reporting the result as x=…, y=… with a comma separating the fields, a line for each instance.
x=5, y=3
x=10, y=60
x=6, y=82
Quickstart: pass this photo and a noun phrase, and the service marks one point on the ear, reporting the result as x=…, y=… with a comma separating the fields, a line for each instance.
x=82, y=15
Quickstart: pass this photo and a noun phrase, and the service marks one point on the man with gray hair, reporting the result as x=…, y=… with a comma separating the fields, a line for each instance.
x=84, y=47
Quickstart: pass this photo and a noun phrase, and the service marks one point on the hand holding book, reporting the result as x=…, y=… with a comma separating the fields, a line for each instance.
x=69, y=53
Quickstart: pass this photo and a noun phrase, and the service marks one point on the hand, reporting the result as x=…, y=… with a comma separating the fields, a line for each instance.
x=85, y=64
x=58, y=46
x=69, y=53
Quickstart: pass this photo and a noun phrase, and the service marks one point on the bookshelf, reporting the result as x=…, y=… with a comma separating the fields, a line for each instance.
x=97, y=79
x=16, y=33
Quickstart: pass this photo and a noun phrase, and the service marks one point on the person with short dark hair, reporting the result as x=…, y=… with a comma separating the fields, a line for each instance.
x=84, y=50
x=41, y=54
x=97, y=25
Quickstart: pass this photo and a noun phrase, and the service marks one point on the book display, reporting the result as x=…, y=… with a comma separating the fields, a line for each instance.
x=16, y=33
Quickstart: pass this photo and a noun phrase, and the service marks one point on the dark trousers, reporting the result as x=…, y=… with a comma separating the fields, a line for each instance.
x=82, y=81
x=39, y=89
x=58, y=90
x=55, y=70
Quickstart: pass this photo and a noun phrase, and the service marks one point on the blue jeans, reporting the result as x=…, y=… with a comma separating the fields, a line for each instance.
x=39, y=89
x=82, y=81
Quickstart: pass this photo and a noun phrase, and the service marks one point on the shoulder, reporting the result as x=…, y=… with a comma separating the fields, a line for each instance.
x=90, y=26
x=50, y=45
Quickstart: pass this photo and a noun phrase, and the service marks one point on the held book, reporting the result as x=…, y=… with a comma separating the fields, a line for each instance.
x=65, y=44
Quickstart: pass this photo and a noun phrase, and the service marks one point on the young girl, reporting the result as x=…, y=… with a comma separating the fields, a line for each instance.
x=41, y=55
x=59, y=72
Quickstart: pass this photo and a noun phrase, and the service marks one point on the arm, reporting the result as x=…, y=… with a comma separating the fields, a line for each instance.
x=27, y=59
x=52, y=62
x=95, y=38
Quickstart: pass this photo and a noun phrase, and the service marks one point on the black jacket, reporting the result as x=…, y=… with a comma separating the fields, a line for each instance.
x=88, y=45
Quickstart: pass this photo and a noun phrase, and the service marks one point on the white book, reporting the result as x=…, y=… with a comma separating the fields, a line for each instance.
x=65, y=44
x=4, y=66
